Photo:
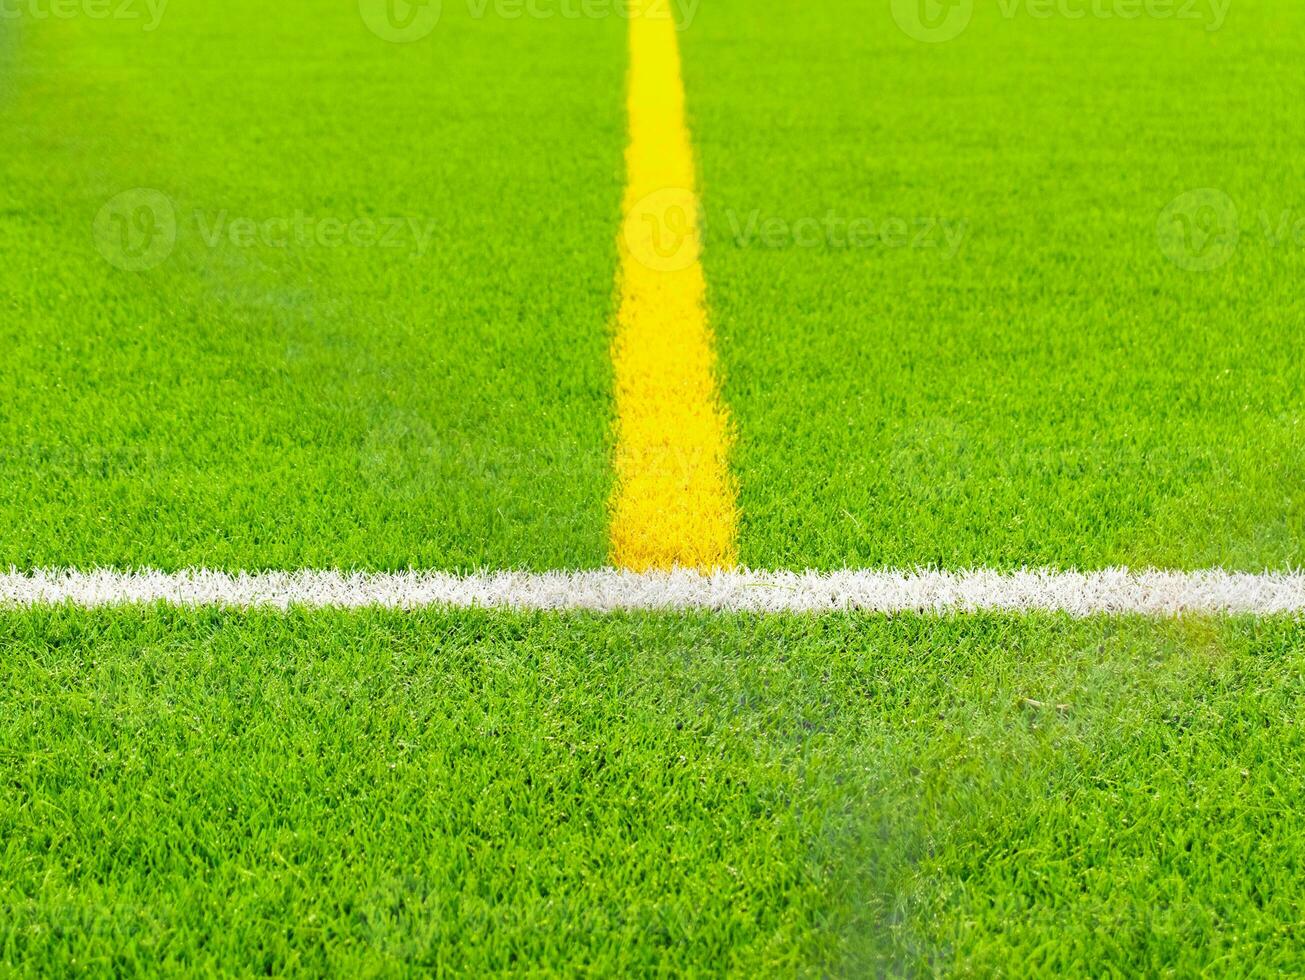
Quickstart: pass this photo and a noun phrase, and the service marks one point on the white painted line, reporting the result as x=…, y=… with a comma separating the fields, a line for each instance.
x=1115, y=591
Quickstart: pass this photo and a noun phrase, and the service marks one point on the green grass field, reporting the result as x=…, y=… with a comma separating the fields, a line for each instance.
x=1057, y=392
x=324, y=406
x=369, y=793
x=380, y=340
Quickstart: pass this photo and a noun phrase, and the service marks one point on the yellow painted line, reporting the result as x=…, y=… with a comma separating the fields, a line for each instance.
x=675, y=499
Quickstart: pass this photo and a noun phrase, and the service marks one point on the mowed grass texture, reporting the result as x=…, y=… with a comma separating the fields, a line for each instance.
x=1037, y=383
x=1053, y=389
x=436, y=395
x=371, y=793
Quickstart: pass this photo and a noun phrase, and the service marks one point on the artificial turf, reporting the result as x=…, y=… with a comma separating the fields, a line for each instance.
x=209, y=791
x=376, y=793
x=325, y=404
x=1058, y=391
x=1054, y=391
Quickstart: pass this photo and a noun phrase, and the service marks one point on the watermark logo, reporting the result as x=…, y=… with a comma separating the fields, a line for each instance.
x=149, y=12
x=660, y=231
x=665, y=232
x=404, y=21
x=1199, y=230
x=137, y=229
x=400, y=21
x=1284, y=228
x=933, y=21
x=837, y=232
